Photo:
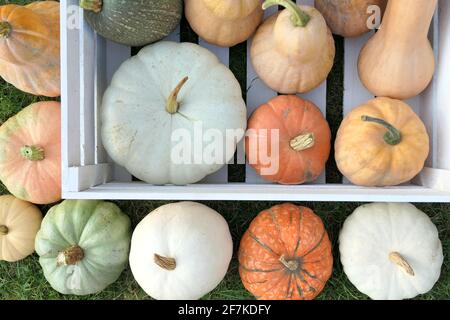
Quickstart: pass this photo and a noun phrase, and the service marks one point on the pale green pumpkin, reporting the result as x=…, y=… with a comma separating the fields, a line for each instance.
x=83, y=246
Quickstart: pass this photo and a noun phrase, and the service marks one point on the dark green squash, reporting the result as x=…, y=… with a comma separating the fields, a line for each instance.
x=133, y=22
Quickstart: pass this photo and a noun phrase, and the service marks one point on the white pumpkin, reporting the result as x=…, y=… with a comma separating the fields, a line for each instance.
x=181, y=251
x=391, y=251
x=167, y=91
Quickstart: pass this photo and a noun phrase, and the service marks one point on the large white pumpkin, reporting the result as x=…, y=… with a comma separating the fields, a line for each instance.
x=391, y=251
x=181, y=251
x=167, y=91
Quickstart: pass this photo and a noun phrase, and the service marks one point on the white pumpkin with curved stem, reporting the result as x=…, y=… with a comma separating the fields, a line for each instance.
x=181, y=251
x=167, y=91
x=391, y=251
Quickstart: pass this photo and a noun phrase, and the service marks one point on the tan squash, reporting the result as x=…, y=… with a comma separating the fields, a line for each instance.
x=398, y=61
x=224, y=22
x=293, y=51
x=350, y=18
x=19, y=223
x=381, y=143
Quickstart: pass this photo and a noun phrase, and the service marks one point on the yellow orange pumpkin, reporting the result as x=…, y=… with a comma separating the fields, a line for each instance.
x=19, y=223
x=30, y=153
x=381, y=143
x=303, y=142
x=285, y=254
x=29, y=47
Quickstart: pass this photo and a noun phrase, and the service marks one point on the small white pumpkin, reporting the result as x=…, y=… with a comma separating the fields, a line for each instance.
x=167, y=91
x=391, y=251
x=181, y=251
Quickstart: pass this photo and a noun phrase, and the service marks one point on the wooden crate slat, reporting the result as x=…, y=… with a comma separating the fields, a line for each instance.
x=88, y=62
x=100, y=87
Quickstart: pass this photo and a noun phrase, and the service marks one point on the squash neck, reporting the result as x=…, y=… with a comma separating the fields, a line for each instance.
x=4, y=230
x=299, y=17
x=92, y=5
x=70, y=257
x=33, y=153
x=392, y=137
x=165, y=263
x=5, y=29
x=404, y=15
x=172, y=105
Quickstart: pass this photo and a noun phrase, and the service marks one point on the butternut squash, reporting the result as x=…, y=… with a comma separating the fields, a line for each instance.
x=398, y=61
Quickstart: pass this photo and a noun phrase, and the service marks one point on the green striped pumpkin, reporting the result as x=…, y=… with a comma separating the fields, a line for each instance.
x=133, y=22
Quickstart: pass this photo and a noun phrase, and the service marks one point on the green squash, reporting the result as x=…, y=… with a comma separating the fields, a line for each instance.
x=83, y=246
x=133, y=22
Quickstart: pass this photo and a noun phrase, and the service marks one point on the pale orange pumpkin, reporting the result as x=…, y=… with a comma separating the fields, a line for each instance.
x=303, y=144
x=381, y=143
x=30, y=153
x=19, y=223
x=29, y=47
x=293, y=51
x=285, y=254
x=224, y=22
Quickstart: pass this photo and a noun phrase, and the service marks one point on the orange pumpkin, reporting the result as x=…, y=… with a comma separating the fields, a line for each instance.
x=300, y=150
x=29, y=47
x=30, y=153
x=285, y=254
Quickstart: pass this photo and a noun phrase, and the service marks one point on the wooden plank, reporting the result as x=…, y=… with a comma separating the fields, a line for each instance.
x=85, y=177
x=99, y=90
x=249, y=192
x=88, y=62
x=436, y=179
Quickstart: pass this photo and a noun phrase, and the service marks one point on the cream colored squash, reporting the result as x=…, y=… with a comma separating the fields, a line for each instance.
x=181, y=251
x=391, y=251
x=171, y=89
x=293, y=51
x=224, y=22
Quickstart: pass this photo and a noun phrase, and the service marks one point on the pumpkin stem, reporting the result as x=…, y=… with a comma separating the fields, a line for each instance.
x=4, y=230
x=169, y=264
x=299, y=17
x=33, y=153
x=69, y=257
x=5, y=29
x=400, y=261
x=292, y=265
x=393, y=136
x=303, y=142
x=92, y=5
x=172, y=103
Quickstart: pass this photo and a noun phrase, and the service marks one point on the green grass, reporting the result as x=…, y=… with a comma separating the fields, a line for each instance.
x=25, y=280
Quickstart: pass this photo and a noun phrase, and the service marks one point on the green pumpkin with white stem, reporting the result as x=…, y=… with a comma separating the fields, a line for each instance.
x=83, y=246
x=133, y=22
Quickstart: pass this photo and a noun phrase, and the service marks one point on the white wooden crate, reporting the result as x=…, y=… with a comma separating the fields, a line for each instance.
x=89, y=62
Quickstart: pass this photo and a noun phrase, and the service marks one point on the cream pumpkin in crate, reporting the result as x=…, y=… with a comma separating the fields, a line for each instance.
x=391, y=251
x=167, y=97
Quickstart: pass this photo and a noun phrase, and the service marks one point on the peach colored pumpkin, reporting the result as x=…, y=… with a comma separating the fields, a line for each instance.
x=303, y=145
x=224, y=22
x=19, y=223
x=293, y=51
x=285, y=254
x=29, y=47
x=381, y=143
x=30, y=153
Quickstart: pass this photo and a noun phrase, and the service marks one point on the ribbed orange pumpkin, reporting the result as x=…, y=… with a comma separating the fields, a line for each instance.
x=30, y=153
x=29, y=47
x=285, y=254
x=303, y=145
